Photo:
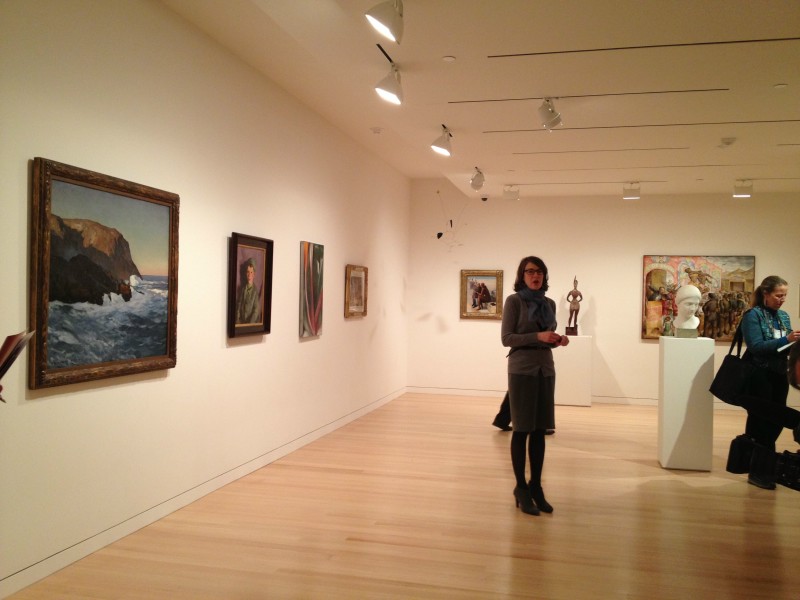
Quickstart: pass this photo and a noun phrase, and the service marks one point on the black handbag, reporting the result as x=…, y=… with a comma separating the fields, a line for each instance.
x=789, y=470
x=731, y=379
x=740, y=454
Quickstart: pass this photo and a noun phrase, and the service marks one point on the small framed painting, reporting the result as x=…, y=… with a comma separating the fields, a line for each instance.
x=481, y=294
x=355, y=291
x=249, y=285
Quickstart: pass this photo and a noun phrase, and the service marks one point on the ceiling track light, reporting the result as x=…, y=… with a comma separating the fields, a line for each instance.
x=387, y=19
x=389, y=87
x=441, y=145
x=548, y=115
x=631, y=191
x=476, y=182
x=743, y=188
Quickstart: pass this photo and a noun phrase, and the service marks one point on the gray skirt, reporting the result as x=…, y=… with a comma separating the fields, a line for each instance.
x=532, y=401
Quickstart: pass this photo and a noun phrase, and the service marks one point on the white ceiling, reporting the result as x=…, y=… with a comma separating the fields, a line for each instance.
x=647, y=89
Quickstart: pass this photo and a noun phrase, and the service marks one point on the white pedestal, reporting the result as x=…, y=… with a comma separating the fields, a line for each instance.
x=574, y=371
x=685, y=406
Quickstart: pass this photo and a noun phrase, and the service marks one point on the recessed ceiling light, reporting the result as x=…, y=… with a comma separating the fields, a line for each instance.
x=781, y=86
x=449, y=58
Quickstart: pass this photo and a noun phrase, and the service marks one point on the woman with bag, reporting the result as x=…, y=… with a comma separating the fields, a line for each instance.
x=529, y=323
x=766, y=329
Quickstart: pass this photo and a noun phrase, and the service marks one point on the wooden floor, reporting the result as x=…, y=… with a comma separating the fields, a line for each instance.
x=414, y=501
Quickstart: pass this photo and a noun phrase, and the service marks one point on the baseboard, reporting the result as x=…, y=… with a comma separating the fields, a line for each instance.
x=47, y=566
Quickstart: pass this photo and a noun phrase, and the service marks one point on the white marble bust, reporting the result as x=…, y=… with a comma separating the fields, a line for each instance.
x=688, y=301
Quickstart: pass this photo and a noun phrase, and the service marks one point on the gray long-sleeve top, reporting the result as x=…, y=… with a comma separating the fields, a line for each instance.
x=528, y=355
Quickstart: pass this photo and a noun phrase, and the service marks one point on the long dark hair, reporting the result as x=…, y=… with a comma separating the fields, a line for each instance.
x=767, y=287
x=519, y=283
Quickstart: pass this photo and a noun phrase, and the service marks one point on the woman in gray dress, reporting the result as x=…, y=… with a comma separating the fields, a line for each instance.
x=529, y=324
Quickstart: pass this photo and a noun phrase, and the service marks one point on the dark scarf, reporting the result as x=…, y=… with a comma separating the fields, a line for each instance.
x=539, y=309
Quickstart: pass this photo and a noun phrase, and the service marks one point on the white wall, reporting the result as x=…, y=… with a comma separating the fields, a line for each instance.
x=129, y=90
x=599, y=240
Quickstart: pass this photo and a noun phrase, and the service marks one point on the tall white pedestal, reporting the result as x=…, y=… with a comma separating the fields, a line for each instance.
x=685, y=406
x=574, y=371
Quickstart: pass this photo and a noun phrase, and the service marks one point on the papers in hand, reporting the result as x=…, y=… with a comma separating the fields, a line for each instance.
x=11, y=348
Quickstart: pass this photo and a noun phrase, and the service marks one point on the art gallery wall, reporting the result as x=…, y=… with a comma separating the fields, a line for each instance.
x=130, y=90
x=599, y=240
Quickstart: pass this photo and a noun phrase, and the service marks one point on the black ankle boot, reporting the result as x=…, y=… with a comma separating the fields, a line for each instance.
x=522, y=496
x=538, y=497
x=763, y=467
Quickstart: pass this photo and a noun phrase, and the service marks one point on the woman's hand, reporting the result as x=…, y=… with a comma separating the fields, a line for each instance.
x=794, y=336
x=549, y=337
x=564, y=341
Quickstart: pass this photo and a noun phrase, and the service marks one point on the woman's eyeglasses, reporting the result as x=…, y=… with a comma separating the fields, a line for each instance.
x=533, y=272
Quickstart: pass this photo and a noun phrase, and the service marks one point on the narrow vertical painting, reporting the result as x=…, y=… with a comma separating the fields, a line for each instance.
x=311, y=263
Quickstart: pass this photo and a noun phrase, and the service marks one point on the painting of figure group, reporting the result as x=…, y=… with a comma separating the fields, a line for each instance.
x=482, y=298
x=725, y=282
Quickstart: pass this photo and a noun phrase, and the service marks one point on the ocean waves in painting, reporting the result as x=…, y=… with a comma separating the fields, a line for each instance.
x=83, y=334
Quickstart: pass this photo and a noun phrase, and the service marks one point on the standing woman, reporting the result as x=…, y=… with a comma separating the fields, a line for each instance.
x=529, y=323
x=766, y=328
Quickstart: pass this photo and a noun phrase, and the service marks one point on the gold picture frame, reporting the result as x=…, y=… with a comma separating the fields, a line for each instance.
x=356, y=280
x=481, y=294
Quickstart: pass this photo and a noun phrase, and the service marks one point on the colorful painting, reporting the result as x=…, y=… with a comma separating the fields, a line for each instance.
x=726, y=284
x=311, y=263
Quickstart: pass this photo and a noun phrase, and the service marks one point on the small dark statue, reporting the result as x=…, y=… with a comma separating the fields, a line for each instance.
x=574, y=298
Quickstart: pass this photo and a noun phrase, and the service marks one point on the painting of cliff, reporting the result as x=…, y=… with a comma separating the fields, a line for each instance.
x=104, y=280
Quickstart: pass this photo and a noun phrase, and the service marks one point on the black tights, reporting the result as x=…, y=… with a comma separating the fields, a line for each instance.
x=535, y=455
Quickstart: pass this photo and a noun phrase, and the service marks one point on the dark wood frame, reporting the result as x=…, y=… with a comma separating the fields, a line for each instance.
x=44, y=173
x=349, y=309
x=466, y=312
x=257, y=244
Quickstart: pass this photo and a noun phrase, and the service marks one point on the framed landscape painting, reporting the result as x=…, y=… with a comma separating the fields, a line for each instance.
x=104, y=276
x=726, y=285
x=249, y=285
x=481, y=294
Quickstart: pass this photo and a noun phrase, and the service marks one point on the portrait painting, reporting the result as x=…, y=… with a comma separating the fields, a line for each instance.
x=104, y=276
x=312, y=258
x=249, y=285
x=355, y=291
x=726, y=285
x=481, y=294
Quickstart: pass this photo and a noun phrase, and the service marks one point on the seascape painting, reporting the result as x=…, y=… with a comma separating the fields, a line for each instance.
x=103, y=276
x=108, y=277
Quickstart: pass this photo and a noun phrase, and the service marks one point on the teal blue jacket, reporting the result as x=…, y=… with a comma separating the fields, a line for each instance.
x=758, y=327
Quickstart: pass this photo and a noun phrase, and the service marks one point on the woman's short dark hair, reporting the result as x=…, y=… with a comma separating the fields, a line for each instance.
x=519, y=283
x=767, y=287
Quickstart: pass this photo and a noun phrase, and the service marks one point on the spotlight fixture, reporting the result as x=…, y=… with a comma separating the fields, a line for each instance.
x=387, y=19
x=548, y=115
x=511, y=192
x=743, y=188
x=477, y=180
x=441, y=145
x=631, y=191
x=389, y=87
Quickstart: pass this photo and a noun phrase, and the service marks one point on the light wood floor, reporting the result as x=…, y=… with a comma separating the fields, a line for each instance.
x=414, y=501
